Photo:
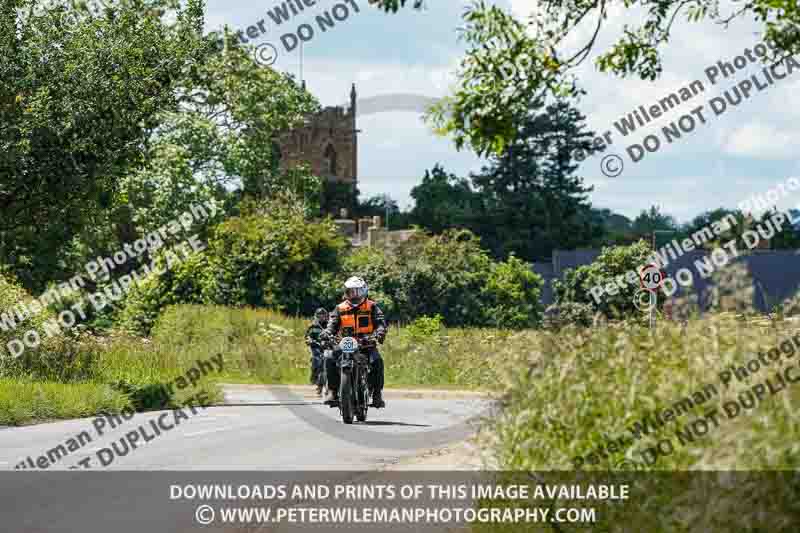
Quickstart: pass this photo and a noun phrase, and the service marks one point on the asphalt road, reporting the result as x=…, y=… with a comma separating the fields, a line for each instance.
x=261, y=430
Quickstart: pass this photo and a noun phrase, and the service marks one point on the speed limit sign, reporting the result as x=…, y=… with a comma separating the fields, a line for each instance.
x=651, y=277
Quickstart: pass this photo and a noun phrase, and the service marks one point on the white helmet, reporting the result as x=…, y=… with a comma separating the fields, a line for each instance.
x=355, y=290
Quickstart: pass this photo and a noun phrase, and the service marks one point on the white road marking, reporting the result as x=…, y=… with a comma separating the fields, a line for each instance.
x=195, y=434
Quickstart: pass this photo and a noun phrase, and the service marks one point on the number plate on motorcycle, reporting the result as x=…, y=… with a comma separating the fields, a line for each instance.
x=348, y=345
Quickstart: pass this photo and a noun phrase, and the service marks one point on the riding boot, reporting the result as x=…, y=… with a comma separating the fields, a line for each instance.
x=332, y=397
x=377, y=400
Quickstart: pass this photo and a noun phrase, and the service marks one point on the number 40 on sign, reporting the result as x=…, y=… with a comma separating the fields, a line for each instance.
x=651, y=277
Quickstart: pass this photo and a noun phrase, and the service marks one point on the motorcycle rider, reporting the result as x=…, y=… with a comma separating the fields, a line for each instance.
x=364, y=316
x=314, y=342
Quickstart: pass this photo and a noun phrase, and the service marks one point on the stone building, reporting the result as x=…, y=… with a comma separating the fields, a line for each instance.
x=328, y=143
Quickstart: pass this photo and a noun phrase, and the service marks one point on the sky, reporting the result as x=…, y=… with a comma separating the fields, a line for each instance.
x=746, y=150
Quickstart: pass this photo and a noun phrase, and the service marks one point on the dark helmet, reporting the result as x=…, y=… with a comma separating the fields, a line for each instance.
x=321, y=314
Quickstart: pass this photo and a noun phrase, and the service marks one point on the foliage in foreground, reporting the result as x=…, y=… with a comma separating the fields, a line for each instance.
x=571, y=391
x=664, y=412
x=509, y=61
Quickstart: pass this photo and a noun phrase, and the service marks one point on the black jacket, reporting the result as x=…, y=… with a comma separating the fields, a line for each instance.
x=313, y=333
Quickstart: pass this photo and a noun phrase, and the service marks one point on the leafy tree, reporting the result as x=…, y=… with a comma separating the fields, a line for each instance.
x=80, y=92
x=444, y=201
x=217, y=147
x=395, y=5
x=533, y=201
x=504, y=70
x=383, y=205
x=707, y=218
x=337, y=196
x=652, y=220
x=233, y=114
x=616, y=228
x=788, y=238
x=190, y=281
x=377, y=205
x=511, y=295
x=257, y=262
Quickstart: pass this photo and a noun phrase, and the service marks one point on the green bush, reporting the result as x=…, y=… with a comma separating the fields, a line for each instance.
x=269, y=257
x=63, y=356
x=511, y=295
x=425, y=327
x=613, y=262
x=271, y=260
x=449, y=275
x=189, y=282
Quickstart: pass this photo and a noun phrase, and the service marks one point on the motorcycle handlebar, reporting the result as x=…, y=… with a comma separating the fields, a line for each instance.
x=368, y=338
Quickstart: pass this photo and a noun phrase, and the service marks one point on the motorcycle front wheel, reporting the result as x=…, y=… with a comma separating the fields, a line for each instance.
x=363, y=400
x=346, y=397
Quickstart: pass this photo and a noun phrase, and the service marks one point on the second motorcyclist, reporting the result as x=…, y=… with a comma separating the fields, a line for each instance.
x=314, y=342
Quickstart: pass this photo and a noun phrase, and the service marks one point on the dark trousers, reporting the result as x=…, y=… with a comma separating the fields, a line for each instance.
x=374, y=379
x=316, y=365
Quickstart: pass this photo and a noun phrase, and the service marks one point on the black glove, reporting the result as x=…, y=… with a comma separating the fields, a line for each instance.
x=381, y=335
x=325, y=338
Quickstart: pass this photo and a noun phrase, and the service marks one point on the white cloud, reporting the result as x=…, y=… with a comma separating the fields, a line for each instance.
x=762, y=141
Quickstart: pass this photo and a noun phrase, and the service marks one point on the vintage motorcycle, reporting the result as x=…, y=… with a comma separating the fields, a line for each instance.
x=354, y=393
x=322, y=379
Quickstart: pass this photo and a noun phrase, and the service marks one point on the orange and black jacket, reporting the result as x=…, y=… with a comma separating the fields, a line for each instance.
x=364, y=319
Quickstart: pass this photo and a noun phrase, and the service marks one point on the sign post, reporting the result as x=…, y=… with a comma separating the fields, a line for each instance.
x=652, y=278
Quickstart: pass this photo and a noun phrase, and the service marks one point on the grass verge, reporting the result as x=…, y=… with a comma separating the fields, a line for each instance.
x=24, y=402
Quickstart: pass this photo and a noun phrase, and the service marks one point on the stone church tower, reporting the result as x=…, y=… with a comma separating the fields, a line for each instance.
x=327, y=143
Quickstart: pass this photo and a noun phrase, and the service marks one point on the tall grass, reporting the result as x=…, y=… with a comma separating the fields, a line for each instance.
x=568, y=395
x=23, y=402
x=266, y=347
x=570, y=392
